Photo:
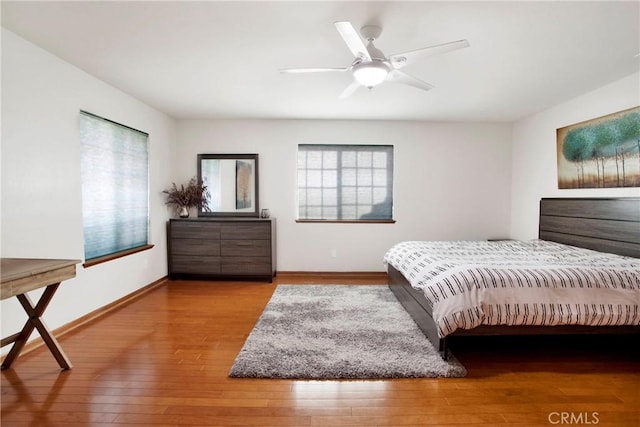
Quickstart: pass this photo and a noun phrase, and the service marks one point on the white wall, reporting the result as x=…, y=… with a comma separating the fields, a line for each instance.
x=41, y=188
x=451, y=181
x=534, y=163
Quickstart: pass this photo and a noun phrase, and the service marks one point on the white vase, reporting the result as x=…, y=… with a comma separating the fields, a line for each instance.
x=183, y=212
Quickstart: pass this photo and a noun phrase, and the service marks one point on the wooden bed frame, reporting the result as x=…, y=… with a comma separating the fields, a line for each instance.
x=604, y=224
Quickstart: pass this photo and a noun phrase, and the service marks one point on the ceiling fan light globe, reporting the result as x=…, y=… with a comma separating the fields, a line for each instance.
x=370, y=74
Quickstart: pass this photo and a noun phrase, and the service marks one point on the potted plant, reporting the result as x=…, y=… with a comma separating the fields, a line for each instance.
x=194, y=194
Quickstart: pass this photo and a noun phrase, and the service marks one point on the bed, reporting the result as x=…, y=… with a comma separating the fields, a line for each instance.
x=581, y=276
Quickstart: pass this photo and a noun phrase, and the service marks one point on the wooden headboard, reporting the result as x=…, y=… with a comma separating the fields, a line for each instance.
x=603, y=224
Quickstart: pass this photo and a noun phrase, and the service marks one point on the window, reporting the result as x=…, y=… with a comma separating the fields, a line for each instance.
x=115, y=194
x=345, y=182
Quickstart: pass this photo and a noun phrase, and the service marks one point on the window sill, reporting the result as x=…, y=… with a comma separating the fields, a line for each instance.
x=348, y=221
x=100, y=260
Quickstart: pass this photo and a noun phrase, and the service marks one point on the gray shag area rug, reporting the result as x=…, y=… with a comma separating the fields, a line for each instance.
x=337, y=332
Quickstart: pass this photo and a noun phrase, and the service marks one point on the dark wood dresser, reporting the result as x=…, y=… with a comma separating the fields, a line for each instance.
x=222, y=248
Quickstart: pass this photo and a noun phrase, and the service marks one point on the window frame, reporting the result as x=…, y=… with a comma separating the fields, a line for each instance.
x=339, y=149
x=88, y=262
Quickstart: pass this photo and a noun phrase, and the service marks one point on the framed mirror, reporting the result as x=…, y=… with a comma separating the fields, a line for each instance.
x=232, y=182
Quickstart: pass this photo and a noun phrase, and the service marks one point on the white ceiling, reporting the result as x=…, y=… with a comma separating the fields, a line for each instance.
x=221, y=59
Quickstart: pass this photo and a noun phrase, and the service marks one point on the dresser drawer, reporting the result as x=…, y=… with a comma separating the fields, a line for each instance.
x=195, y=264
x=195, y=230
x=246, y=231
x=246, y=265
x=195, y=247
x=247, y=248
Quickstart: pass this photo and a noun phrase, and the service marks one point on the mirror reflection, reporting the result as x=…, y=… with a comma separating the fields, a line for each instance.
x=232, y=182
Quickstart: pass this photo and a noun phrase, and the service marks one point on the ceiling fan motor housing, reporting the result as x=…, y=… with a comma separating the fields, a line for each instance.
x=374, y=52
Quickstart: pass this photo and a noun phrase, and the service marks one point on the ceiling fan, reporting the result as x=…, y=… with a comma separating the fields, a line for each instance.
x=370, y=67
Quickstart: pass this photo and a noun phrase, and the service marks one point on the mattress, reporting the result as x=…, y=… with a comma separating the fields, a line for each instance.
x=473, y=283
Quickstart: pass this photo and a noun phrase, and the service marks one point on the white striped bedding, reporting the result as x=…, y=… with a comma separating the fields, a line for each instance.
x=472, y=283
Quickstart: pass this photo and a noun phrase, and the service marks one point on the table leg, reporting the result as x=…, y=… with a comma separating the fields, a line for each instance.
x=35, y=322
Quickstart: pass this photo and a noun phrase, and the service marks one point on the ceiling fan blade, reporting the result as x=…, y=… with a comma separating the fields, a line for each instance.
x=311, y=70
x=400, y=60
x=353, y=40
x=396, y=76
x=348, y=91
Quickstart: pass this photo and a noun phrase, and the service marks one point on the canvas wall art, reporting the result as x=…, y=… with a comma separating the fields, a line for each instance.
x=600, y=153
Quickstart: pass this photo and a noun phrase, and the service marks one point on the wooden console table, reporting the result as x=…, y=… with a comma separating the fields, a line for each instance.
x=21, y=275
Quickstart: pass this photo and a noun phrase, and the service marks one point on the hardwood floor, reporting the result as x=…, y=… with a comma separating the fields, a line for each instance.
x=163, y=360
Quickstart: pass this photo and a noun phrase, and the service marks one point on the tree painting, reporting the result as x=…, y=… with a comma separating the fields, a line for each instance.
x=600, y=153
x=244, y=173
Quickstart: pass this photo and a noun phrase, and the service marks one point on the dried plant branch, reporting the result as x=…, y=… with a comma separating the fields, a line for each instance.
x=195, y=194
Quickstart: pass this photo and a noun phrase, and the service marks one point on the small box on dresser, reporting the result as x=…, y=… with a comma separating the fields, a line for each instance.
x=222, y=248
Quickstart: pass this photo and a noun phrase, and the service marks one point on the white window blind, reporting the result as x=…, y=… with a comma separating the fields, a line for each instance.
x=345, y=182
x=115, y=193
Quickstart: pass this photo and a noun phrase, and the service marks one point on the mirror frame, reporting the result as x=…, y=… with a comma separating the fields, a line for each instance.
x=254, y=157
